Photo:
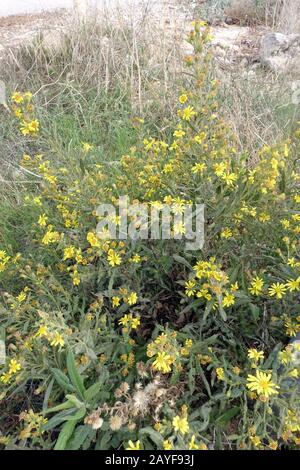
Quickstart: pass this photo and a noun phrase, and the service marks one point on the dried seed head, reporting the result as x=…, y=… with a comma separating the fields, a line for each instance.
x=141, y=369
x=124, y=387
x=131, y=426
x=115, y=423
x=94, y=420
x=118, y=393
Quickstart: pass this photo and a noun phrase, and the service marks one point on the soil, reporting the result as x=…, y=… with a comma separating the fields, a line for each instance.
x=230, y=41
x=21, y=29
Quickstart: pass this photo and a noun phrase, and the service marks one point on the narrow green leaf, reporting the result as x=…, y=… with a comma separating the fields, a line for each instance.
x=75, y=377
x=64, y=435
x=62, y=380
x=92, y=391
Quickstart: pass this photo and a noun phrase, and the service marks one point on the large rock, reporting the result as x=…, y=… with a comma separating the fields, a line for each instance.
x=281, y=52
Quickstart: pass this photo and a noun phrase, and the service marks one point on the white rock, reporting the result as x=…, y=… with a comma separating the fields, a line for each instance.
x=281, y=52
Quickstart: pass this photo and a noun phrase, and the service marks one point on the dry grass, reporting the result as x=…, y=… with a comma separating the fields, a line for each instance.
x=94, y=70
x=141, y=54
x=259, y=108
x=253, y=12
x=289, y=18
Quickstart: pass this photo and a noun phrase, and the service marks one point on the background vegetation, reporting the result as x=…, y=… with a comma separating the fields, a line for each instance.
x=143, y=345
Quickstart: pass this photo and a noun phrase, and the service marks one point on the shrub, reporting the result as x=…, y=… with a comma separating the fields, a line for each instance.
x=142, y=344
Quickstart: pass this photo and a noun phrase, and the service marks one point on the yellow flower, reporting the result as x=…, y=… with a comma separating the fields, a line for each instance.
x=226, y=233
x=180, y=424
x=135, y=259
x=116, y=301
x=135, y=322
x=157, y=426
x=285, y=356
x=14, y=367
x=291, y=328
x=86, y=147
x=42, y=332
x=198, y=168
x=255, y=440
x=187, y=113
x=183, y=98
x=273, y=445
x=255, y=354
x=256, y=286
x=5, y=378
x=293, y=285
x=31, y=127
x=28, y=95
x=202, y=446
x=125, y=320
x=21, y=297
x=69, y=252
x=132, y=446
x=262, y=384
x=113, y=258
x=190, y=288
x=167, y=445
x=50, y=237
x=294, y=374
x=17, y=97
x=228, y=300
x=75, y=277
x=42, y=220
x=277, y=290
x=179, y=133
x=132, y=298
x=264, y=217
x=93, y=240
x=220, y=373
x=57, y=340
x=230, y=179
x=192, y=445
x=163, y=362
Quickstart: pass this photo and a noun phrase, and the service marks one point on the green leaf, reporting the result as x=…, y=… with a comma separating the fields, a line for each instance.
x=92, y=391
x=75, y=377
x=47, y=394
x=77, y=416
x=104, y=442
x=201, y=372
x=80, y=435
x=205, y=413
x=225, y=418
x=58, y=419
x=64, y=435
x=62, y=380
x=254, y=311
x=74, y=400
x=63, y=406
x=221, y=309
x=154, y=435
x=192, y=373
x=183, y=261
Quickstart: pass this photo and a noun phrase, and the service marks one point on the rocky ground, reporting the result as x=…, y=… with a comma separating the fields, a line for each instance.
x=233, y=45
x=18, y=30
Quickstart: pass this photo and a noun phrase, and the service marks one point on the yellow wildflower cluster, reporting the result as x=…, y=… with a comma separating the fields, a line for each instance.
x=13, y=368
x=33, y=424
x=24, y=112
x=168, y=352
x=211, y=283
x=54, y=338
